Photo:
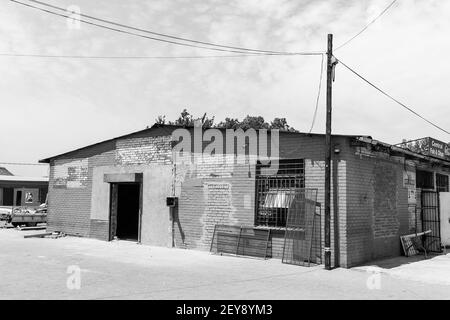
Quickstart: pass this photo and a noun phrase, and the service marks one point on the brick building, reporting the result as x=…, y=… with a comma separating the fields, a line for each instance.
x=375, y=193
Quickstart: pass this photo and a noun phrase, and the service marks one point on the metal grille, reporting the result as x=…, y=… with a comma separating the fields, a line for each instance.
x=302, y=242
x=274, y=193
x=441, y=183
x=238, y=240
x=431, y=220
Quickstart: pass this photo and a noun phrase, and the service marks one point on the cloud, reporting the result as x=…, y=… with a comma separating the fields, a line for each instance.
x=64, y=104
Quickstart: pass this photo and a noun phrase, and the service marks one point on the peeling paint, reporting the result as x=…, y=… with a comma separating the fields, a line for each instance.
x=71, y=175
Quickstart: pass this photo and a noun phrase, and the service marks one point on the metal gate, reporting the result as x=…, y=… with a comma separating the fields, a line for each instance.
x=431, y=220
x=302, y=241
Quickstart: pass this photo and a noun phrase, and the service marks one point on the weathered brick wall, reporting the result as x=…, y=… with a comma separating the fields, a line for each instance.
x=211, y=194
x=144, y=150
x=202, y=205
x=312, y=149
x=370, y=191
x=377, y=211
x=70, y=191
x=70, y=182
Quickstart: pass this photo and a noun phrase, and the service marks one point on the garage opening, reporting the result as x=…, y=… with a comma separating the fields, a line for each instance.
x=125, y=211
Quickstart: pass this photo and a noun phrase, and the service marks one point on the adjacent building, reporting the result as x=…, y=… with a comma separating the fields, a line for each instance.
x=21, y=190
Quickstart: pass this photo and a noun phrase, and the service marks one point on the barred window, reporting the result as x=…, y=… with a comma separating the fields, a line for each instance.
x=275, y=192
x=441, y=183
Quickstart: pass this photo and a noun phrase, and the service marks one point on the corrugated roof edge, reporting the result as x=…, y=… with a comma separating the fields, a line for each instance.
x=173, y=127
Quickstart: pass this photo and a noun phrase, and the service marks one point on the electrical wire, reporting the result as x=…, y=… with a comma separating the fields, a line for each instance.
x=131, y=33
x=392, y=98
x=128, y=57
x=213, y=47
x=318, y=95
x=159, y=34
x=367, y=26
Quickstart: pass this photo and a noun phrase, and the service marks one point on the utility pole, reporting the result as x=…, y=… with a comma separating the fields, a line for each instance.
x=328, y=155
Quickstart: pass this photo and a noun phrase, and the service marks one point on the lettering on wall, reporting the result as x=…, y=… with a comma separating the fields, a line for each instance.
x=71, y=175
x=219, y=208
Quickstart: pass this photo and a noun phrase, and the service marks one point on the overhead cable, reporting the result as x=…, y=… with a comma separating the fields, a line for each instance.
x=205, y=45
x=318, y=95
x=367, y=26
x=392, y=98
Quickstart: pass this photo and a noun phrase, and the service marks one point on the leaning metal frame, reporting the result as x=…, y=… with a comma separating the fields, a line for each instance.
x=302, y=242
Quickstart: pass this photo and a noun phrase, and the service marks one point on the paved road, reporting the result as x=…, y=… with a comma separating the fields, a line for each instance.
x=49, y=268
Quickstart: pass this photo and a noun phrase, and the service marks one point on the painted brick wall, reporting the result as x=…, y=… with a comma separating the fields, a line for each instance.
x=144, y=150
x=70, y=194
x=201, y=207
x=370, y=192
x=209, y=196
x=70, y=182
x=377, y=211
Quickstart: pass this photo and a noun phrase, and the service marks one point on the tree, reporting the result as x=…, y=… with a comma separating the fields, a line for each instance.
x=281, y=124
x=254, y=122
x=160, y=120
x=187, y=120
x=229, y=123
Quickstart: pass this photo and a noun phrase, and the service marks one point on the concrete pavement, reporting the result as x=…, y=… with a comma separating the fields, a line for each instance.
x=80, y=268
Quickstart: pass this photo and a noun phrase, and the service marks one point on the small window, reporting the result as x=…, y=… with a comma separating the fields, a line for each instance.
x=424, y=179
x=442, y=183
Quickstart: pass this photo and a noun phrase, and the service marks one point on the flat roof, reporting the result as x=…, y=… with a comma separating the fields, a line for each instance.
x=23, y=179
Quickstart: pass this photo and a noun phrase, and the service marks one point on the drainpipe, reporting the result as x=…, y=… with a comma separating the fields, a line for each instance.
x=336, y=206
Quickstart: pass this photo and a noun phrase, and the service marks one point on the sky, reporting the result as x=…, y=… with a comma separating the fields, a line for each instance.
x=53, y=105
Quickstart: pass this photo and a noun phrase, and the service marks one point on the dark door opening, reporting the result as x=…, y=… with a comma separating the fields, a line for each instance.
x=18, y=198
x=8, y=196
x=127, y=211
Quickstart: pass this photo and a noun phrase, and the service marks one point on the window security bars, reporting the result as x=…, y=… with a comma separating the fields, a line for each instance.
x=274, y=193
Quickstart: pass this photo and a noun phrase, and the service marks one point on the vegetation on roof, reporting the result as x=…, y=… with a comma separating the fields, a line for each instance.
x=256, y=122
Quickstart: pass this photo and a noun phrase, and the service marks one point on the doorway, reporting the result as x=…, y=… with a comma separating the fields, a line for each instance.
x=125, y=211
x=18, y=201
x=431, y=220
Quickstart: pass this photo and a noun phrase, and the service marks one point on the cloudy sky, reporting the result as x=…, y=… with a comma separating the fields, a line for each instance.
x=53, y=105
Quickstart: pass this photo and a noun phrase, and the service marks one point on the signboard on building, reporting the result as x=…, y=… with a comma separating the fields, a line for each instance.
x=429, y=146
x=438, y=149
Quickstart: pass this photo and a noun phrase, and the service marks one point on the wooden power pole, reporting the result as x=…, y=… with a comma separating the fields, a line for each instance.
x=328, y=155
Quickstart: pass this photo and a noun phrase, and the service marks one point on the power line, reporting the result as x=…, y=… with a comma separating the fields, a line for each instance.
x=368, y=25
x=159, y=34
x=126, y=32
x=212, y=46
x=318, y=95
x=27, y=55
x=392, y=98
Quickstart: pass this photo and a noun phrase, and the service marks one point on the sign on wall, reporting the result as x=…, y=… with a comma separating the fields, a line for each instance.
x=428, y=146
x=438, y=149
